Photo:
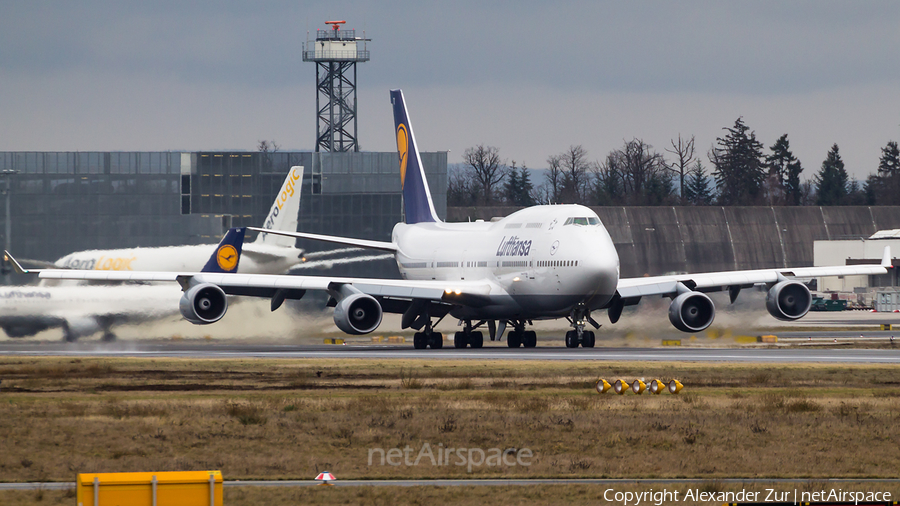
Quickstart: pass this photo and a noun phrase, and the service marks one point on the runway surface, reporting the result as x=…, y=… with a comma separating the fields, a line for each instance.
x=272, y=351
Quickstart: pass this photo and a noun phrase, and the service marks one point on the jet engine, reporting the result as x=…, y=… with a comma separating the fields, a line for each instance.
x=692, y=312
x=788, y=300
x=203, y=303
x=74, y=328
x=357, y=313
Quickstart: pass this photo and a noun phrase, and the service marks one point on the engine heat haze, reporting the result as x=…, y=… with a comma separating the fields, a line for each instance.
x=542, y=262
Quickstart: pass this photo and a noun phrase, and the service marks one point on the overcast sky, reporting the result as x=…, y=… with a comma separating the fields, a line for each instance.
x=528, y=77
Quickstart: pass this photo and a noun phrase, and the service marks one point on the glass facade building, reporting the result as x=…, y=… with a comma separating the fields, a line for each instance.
x=70, y=201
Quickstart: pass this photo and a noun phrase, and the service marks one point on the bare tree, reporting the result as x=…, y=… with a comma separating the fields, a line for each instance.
x=460, y=190
x=574, y=166
x=684, y=156
x=267, y=146
x=486, y=169
x=554, y=181
x=634, y=175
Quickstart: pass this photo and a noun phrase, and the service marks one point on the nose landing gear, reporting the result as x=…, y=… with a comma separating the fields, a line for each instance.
x=580, y=317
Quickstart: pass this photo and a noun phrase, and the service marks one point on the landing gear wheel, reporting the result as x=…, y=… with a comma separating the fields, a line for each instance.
x=587, y=339
x=529, y=338
x=436, y=340
x=420, y=342
x=571, y=339
x=476, y=339
x=513, y=339
x=460, y=340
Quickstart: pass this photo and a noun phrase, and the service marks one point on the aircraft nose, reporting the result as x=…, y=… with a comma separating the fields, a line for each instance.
x=601, y=264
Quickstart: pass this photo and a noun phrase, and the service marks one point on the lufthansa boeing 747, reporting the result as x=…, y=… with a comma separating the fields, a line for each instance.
x=543, y=262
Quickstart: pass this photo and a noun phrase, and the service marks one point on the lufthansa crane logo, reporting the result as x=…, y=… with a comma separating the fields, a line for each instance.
x=403, y=150
x=227, y=257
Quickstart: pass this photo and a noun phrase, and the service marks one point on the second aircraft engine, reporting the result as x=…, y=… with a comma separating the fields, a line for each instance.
x=788, y=300
x=357, y=313
x=203, y=303
x=692, y=312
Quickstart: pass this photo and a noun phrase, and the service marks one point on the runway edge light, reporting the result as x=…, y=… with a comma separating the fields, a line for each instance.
x=620, y=386
x=675, y=386
x=656, y=387
x=325, y=478
x=638, y=386
x=602, y=386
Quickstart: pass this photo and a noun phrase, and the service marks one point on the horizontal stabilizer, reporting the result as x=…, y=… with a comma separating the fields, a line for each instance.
x=349, y=241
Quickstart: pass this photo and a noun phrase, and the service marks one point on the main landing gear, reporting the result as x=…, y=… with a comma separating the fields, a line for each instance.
x=521, y=337
x=429, y=337
x=579, y=318
x=469, y=336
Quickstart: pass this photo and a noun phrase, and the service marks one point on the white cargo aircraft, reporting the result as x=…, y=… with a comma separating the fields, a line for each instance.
x=272, y=254
x=543, y=262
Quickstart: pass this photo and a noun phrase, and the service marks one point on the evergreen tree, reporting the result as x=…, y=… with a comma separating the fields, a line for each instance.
x=697, y=190
x=511, y=186
x=886, y=187
x=785, y=169
x=832, y=180
x=856, y=194
x=526, y=188
x=739, y=171
x=518, y=188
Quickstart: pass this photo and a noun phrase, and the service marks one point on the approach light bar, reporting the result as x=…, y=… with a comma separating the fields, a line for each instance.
x=654, y=386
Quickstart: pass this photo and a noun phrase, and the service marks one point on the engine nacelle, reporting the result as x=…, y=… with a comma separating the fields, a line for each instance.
x=75, y=328
x=788, y=300
x=202, y=304
x=692, y=312
x=357, y=314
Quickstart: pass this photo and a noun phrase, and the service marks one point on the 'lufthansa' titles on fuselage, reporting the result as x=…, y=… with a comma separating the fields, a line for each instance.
x=514, y=247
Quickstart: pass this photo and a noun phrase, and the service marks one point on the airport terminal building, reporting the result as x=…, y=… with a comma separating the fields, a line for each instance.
x=69, y=201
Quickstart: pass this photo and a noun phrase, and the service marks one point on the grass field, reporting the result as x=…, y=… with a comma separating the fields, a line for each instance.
x=273, y=419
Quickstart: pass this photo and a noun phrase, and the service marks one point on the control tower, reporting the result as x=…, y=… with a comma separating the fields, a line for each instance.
x=336, y=52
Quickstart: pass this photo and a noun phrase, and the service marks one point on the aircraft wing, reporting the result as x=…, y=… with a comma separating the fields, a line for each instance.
x=349, y=241
x=716, y=281
x=466, y=293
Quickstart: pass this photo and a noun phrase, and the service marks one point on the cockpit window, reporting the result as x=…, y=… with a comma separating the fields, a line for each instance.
x=582, y=221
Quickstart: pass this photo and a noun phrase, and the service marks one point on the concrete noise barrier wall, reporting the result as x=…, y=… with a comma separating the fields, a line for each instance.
x=659, y=240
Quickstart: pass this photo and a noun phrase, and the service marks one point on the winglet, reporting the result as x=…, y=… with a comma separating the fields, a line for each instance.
x=17, y=267
x=228, y=253
x=886, y=259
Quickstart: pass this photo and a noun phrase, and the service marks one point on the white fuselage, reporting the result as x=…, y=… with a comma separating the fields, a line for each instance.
x=541, y=261
x=190, y=258
x=83, y=310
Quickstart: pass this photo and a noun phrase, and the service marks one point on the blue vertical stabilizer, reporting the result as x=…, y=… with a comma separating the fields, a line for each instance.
x=228, y=253
x=417, y=204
